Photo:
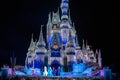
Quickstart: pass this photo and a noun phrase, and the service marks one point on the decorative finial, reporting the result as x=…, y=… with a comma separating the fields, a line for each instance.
x=83, y=46
x=41, y=29
x=77, y=44
x=58, y=11
x=49, y=16
x=42, y=26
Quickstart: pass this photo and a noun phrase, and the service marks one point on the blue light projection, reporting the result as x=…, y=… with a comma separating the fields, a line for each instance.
x=61, y=54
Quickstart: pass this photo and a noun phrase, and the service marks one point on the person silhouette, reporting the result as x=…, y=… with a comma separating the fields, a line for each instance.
x=58, y=71
x=45, y=73
x=50, y=72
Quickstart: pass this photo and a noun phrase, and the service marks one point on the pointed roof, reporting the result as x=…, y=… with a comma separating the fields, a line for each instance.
x=58, y=14
x=55, y=18
x=49, y=19
x=99, y=58
x=99, y=53
x=41, y=41
x=73, y=28
x=96, y=52
x=87, y=46
x=76, y=42
x=69, y=18
x=32, y=45
x=83, y=45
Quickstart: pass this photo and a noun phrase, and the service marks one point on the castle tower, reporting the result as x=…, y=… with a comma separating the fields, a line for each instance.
x=64, y=9
x=73, y=31
x=30, y=54
x=78, y=52
x=40, y=52
x=55, y=56
x=65, y=25
x=70, y=52
x=49, y=29
x=55, y=18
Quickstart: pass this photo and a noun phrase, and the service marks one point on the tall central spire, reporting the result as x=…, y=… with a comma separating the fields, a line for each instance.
x=64, y=9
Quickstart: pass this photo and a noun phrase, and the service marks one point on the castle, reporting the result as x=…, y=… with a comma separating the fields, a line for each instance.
x=61, y=47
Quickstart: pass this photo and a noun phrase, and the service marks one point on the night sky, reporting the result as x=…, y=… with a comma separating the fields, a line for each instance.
x=95, y=20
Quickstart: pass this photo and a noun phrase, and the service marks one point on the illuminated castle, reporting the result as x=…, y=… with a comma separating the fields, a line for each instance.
x=61, y=47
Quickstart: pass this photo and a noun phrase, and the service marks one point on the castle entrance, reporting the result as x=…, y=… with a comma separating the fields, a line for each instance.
x=55, y=64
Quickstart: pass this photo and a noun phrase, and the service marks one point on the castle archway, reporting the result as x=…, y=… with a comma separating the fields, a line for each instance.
x=55, y=64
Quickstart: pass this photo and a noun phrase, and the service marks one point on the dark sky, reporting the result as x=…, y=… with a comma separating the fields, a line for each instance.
x=95, y=20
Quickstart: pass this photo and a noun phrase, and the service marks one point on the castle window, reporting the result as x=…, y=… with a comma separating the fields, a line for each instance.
x=55, y=46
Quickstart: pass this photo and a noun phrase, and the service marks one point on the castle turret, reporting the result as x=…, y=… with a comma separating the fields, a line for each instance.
x=49, y=28
x=41, y=44
x=30, y=54
x=99, y=59
x=73, y=33
x=32, y=44
x=41, y=41
x=40, y=51
x=64, y=9
x=96, y=55
x=69, y=18
x=65, y=23
x=70, y=49
x=58, y=15
x=55, y=18
x=78, y=52
x=83, y=45
x=76, y=43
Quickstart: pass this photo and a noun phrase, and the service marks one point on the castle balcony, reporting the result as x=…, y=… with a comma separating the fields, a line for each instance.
x=55, y=54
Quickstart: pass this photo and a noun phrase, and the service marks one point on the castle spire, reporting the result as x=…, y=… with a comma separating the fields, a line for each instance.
x=76, y=42
x=99, y=59
x=83, y=45
x=49, y=27
x=74, y=28
x=49, y=20
x=58, y=14
x=96, y=52
x=87, y=47
x=55, y=18
x=69, y=18
x=64, y=9
x=31, y=43
x=41, y=41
